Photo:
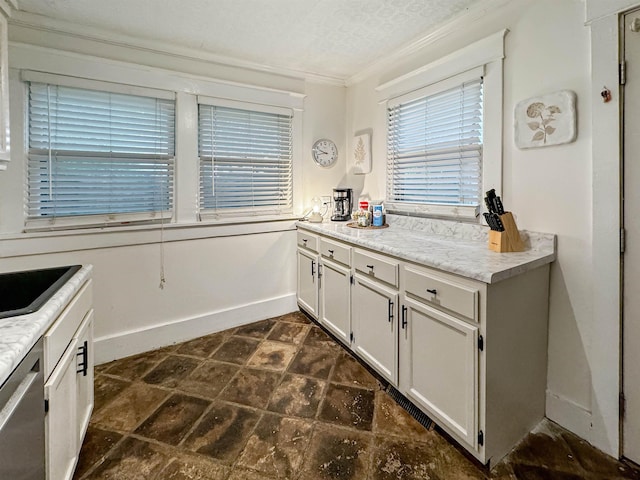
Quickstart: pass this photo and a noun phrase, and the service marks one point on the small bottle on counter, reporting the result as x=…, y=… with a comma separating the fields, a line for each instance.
x=378, y=219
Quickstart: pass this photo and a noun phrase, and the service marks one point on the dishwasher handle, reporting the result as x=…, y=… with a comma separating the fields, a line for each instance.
x=10, y=407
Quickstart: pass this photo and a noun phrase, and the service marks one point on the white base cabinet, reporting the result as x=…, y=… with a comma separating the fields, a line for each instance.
x=68, y=388
x=471, y=355
x=308, y=282
x=61, y=438
x=439, y=365
x=375, y=326
x=335, y=299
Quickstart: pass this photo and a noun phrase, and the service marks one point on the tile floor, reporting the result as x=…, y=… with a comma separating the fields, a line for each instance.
x=279, y=399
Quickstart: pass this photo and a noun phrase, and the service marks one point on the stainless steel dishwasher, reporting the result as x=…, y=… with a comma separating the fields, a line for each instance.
x=22, y=420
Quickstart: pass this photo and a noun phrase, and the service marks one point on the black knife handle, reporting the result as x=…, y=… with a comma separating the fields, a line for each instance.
x=498, y=222
x=499, y=206
x=487, y=218
x=489, y=204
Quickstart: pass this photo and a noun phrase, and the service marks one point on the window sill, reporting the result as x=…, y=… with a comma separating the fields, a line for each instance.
x=56, y=241
x=447, y=212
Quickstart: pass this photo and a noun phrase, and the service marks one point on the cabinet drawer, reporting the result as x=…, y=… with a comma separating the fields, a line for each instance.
x=335, y=251
x=64, y=328
x=307, y=240
x=382, y=268
x=442, y=293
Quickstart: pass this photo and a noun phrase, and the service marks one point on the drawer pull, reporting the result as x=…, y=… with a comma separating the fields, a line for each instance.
x=313, y=268
x=432, y=290
x=370, y=266
x=390, y=311
x=330, y=251
x=404, y=317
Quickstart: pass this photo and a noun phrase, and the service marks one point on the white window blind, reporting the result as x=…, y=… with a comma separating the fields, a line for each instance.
x=245, y=161
x=435, y=148
x=95, y=153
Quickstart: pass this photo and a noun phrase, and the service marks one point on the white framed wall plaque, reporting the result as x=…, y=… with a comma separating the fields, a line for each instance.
x=361, y=157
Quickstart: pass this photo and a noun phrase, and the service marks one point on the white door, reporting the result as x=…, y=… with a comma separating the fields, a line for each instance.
x=631, y=265
x=439, y=368
x=335, y=300
x=375, y=326
x=307, y=282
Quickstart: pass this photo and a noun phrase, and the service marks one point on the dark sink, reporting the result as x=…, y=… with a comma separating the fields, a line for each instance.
x=25, y=292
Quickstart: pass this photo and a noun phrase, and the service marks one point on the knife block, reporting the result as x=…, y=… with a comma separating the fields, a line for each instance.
x=509, y=240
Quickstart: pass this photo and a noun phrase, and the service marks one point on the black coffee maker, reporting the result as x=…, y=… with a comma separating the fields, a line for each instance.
x=342, y=204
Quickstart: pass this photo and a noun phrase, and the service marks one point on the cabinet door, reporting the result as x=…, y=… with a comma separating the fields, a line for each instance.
x=308, y=282
x=84, y=374
x=61, y=436
x=375, y=326
x=439, y=368
x=335, y=300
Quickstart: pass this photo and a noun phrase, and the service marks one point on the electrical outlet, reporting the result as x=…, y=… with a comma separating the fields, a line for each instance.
x=326, y=199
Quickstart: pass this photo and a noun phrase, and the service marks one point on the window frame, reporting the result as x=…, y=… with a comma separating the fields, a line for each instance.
x=431, y=90
x=85, y=69
x=65, y=222
x=486, y=54
x=247, y=213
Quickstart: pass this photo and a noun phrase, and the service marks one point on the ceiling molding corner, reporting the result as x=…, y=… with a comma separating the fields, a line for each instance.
x=9, y=7
x=457, y=23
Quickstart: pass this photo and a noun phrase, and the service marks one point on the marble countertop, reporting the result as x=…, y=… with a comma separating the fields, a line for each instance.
x=19, y=334
x=453, y=247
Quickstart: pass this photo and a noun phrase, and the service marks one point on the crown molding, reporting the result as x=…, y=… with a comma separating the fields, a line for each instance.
x=596, y=10
x=8, y=7
x=43, y=23
x=457, y=23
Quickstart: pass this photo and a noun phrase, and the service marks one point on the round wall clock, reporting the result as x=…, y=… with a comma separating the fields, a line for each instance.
x=325, y=152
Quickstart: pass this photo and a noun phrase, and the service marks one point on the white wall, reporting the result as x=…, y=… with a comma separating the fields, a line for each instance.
x=328, y=121
x=548, y=189
x=217, y=276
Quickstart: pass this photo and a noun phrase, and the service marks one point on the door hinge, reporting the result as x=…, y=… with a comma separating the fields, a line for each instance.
x=622, y=240
x=481, y=343
x=480, y=438
x=622, y=72
x=46, y=405
x=622, y=405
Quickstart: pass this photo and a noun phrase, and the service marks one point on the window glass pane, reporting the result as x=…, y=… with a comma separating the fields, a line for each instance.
x=245, y=161
x=93, y=152
x=435, y=148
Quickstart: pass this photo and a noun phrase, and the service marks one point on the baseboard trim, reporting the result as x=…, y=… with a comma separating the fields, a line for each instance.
x=120, y=345
x=569, y=415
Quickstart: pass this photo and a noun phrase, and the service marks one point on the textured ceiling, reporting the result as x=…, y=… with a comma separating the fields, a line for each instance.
x=336, y=38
